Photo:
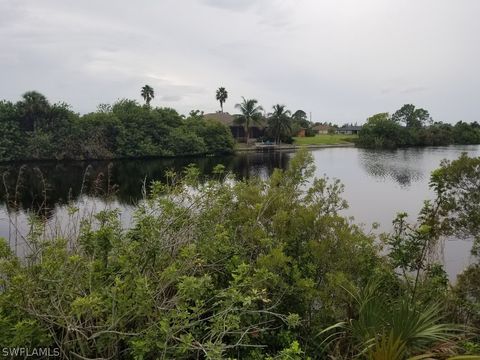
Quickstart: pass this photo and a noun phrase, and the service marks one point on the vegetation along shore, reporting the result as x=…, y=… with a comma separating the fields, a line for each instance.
x=35, y=129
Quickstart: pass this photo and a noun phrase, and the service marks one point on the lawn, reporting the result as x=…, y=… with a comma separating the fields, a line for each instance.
x=325, y=139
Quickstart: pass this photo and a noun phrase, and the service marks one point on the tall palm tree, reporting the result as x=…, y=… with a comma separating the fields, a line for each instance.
x=34, y=108
x=250, y=113
x=222, y=96
x=147, y=94
x=279, y=122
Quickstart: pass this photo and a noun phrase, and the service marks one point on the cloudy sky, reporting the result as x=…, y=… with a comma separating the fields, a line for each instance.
x=341, y=60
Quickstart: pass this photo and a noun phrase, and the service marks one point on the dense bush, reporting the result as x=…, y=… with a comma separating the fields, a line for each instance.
x=34, y=129
x=414, y=127
x=257, y=269
x=216, y=137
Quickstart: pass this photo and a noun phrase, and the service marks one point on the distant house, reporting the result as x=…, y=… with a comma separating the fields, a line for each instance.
x=301, y=132
x=349, y=130
x=320, y=129
x=238, y=130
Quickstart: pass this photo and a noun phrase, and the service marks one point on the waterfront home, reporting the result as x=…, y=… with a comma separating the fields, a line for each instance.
x=321, y=129
x=301, y=132
x=349, y=130
x=238, y=130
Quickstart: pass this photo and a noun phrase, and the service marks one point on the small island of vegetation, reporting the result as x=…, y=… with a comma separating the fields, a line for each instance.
x=411, y=126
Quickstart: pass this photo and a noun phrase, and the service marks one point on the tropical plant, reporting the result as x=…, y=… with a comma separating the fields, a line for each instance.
x=250, y=113
x=221, y=96
x=148, y=94
x=33, y=109
x=386, y=328
x=279, y=122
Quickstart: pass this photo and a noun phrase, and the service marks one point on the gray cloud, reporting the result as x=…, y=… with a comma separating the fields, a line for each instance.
x=342, y=60
x=413, y=90
x=237, y=5
x=171, y=98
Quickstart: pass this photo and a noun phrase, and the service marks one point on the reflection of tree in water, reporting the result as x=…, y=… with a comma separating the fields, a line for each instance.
x=40, y=187
x=403, y=167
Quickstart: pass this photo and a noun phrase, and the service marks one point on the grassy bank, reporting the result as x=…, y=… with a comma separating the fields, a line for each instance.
x=326, y=139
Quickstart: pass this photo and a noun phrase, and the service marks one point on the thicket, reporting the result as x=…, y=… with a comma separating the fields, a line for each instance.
x=252, y=269
x=412, y=126
x=34, y=129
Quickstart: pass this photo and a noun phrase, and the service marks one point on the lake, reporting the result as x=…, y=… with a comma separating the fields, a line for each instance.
x=378, y=184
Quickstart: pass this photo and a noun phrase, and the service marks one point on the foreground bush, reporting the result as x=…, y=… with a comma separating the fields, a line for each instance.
x=254, y=269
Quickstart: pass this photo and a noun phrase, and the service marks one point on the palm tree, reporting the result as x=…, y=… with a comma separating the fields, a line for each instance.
x=222, y=96
x=148, y=94
x=250, y=113
x=279, y=122
x=389, y=329
x=34, y=108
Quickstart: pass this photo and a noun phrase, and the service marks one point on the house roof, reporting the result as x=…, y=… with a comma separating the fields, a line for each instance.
x=320, y=127
x=224, y=118
x=229, y=120
x=350, y=128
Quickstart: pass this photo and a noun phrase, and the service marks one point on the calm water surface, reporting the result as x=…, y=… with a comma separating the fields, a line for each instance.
x=378, y=184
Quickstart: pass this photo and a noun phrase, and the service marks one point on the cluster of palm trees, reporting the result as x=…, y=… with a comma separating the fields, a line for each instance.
x=279, y=121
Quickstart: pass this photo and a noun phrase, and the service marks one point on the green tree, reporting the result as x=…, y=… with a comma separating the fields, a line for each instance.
x=464, y=133
x=279, y=122
x=217, y=137
x=12, y=141
x=381, y=131
x=221, y=96
x=33, y=109
x=147, y=94
x=300, y=121
x=300, y=116
x=250, y=113
x=412, y=117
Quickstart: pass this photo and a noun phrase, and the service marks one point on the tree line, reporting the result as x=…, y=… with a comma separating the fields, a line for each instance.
x=412, y=126
x=35, y=129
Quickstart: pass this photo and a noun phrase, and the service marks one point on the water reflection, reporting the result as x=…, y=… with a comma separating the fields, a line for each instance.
x=43, y=186
x=404, y=167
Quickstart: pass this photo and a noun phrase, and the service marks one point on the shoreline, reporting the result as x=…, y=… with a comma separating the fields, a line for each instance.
x=235, y=150
x=292, y=147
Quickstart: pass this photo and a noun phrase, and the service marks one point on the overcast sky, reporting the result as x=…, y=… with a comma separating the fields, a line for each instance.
x=341, y=60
